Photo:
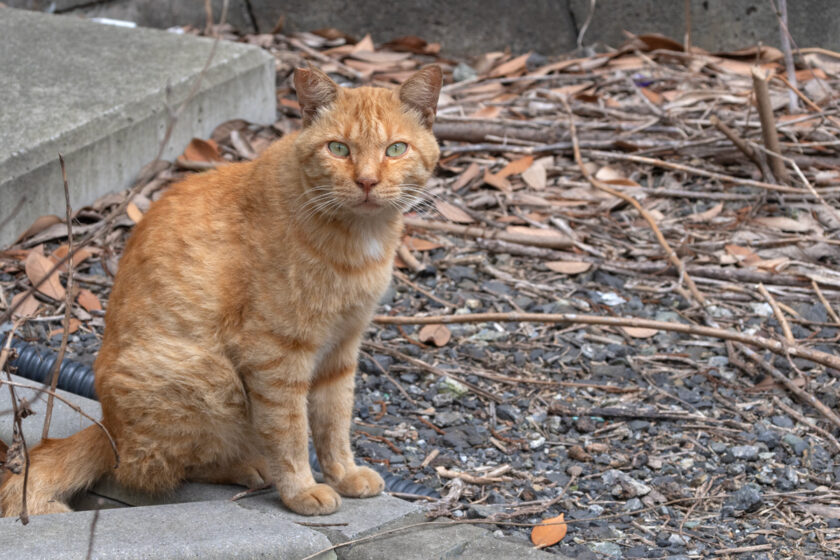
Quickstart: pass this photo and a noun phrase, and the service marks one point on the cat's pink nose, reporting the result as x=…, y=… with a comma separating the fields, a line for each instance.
x=367, y=183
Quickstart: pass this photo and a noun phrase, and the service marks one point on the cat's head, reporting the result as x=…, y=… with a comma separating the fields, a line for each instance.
x=366, y=151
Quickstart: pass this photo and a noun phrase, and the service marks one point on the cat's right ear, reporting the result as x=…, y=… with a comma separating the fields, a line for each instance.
x=314, y=90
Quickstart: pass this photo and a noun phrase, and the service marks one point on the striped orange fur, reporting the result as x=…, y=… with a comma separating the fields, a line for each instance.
x=234, y=324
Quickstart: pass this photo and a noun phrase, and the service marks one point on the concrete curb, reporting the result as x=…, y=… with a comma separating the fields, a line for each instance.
x=99, y=95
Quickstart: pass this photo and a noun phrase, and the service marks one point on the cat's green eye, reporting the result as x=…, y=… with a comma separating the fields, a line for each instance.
x=396, y=149
x=339, y=149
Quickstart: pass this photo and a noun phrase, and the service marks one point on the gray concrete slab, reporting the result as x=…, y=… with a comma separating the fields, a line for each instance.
x=465, y=542
x=98, y=94
x=354, y=519
x=206, y=530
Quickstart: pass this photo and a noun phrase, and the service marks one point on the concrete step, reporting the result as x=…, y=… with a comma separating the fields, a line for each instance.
x=99, y=95
x=206, y=530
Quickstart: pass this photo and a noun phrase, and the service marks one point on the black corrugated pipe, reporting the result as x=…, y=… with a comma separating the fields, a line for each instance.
x=78, y=379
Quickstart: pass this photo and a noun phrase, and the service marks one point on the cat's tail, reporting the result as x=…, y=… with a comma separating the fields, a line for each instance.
x=58, y=469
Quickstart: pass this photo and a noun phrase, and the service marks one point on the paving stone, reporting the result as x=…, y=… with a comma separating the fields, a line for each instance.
x=98, y=94
x=465, y=542
x=360, y=515
x=209, y=530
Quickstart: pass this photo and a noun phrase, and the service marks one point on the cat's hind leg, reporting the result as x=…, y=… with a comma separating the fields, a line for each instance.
x=250, y=472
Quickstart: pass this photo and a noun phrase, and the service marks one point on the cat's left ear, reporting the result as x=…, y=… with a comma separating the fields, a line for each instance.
x=314, y=90
x=420, y=92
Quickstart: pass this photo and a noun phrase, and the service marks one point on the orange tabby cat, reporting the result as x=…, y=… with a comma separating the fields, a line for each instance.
x=235, y=320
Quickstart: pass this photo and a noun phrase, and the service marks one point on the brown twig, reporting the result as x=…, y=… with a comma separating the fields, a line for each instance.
x=557, y=241
x=801, y=394
x=781, y=12
x=778, y=313
x=18, y=426
x=694, y=171
x=774, y=346
x=410, y=260
x=93, y=523
x=431, y=369
x=807, y=422
x=828, y=308
x=736, y=139
x=768, y=126
x=669, y=252
x=421, y=290
x=68, y=306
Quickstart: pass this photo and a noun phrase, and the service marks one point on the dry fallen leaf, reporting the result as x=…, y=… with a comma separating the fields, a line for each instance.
x=74, y=326
x=516, y=166
x=568, y=267
x=366, y=44
x=535, y=176
x=39, y=225
x=27, y=308
x=88, y=300
x=639, y=332
x=784, y=224
x=81, y=256
x=36, y=267
x=511, y=67
x=438, y=335
x=707, y=215
x=453, y=213
x=549, y=531
x=134, y=213
x=417, y=244
x=202, y=150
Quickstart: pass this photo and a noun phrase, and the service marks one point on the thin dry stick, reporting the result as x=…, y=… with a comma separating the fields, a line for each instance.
x=802, y=394
x=421, y=290
x=410, y=260
x=694, y=171
x=796, y=91
x=93, y=527
x=71, y=405
x=557, y=241
x=68, y=305
x=18, y=426
x=431, y=369
x=768, y=126
x=672, y=256
x=824, y=358
x=733, y=137
x=778, y=313
x=808, y=422
x=825, y=303
x=687, y=42
x=782, y=16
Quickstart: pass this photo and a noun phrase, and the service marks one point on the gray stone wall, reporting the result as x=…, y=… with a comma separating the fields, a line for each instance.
x=475, y=26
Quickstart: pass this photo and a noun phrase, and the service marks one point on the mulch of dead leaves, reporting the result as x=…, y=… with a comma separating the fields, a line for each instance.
x=649, y=443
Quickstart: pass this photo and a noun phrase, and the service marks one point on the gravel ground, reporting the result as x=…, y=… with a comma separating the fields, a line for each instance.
x=653, y=444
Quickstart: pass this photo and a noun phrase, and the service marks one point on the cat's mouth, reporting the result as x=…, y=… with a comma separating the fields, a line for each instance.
x=369, y=203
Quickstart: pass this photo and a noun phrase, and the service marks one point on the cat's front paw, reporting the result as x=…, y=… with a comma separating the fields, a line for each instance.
x=361, y=482
x=318, y=499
